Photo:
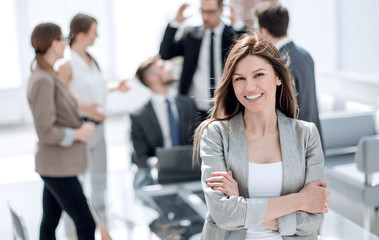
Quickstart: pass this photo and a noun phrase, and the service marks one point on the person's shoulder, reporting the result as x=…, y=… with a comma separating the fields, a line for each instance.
x=185, y=99
x=228, y=28
x=301, y=51
x=40, y=82
x=228, y=31
x=193, y=30
x=41, y=77
x=215, y=129
x=300, y=123
x=220, y=125
x=141, y=112
x=301, y=127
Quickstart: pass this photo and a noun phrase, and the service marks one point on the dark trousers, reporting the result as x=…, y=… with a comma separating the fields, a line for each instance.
x=65, y=194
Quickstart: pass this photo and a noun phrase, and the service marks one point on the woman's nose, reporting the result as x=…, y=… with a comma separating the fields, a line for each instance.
x=251, y=85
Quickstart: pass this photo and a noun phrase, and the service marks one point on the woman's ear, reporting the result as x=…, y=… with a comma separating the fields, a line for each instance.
x=278, y=81
x=80, y=36
x=54, y=44
x=151, y=79
x=265, y=32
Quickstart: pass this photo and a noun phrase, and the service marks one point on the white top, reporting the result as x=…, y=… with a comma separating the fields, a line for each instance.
x=265, y=181
x=160, y=109
x=201, y=78
x=87, y=83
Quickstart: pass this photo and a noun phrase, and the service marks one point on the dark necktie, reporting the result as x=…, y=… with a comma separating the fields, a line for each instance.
x=212, y=66
x=174, y=126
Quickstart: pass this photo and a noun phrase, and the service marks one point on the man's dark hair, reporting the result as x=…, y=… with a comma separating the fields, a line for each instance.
x=144, y=67
x=274, y=17
x=220, y=3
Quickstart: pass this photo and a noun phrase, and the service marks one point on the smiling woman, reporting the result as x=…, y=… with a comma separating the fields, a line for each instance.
x=262, y=169
x=254, y=83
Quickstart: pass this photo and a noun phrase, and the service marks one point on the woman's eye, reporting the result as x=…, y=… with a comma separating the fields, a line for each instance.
x=259, y=74
x=238, y=78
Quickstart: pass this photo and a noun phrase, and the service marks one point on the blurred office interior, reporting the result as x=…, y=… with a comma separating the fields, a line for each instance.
x=340, y=35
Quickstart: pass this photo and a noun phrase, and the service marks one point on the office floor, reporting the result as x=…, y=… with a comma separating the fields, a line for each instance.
x=22, y=187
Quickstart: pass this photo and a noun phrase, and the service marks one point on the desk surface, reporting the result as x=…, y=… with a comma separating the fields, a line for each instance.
x=169, y=210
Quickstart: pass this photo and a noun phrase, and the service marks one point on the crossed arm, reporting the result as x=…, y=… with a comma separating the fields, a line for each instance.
x=293, y=214
x=313, y=198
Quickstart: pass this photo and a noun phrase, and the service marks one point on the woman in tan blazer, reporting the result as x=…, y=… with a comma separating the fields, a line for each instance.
x=262, y=169
x=61, y=149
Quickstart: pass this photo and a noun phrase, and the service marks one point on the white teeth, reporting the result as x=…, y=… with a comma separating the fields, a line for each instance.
x=252, y=97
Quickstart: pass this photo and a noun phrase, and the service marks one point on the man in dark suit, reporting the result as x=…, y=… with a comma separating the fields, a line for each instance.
x=204, y=49
x=272, y=20
x=164, y=121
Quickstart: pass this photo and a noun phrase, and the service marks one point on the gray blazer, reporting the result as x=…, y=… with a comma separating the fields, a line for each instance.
x=223, y=148
x=53, y=109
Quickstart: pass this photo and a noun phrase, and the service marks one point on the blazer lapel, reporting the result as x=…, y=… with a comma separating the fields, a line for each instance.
x=196, y=45
x=238, y=152
x=237, y=159
x=290, y=155
x=70, y=100
x=183, y=128
x=153, y=128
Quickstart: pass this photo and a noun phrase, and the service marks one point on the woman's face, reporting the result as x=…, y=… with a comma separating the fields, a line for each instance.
x=254, y=82
x=91, y=35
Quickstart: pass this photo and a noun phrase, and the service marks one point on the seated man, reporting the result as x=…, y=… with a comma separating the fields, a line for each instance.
x=164, y=121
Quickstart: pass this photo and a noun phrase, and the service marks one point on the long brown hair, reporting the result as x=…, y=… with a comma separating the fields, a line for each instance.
x=226, y=104
x=42, y=37
x=81, y=23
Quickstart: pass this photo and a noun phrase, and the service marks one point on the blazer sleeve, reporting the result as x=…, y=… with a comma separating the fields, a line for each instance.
x=169, y=47
x=42, y=105
x=303, y=223
x=140, y=145
x=229, y=213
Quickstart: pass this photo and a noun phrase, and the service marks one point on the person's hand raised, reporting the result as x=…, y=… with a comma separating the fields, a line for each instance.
x=180, y=16
x=123, y=86
x=234, y=17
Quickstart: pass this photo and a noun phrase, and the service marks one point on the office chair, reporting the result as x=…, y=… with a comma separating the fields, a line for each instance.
x=366, y=159
x=359, y=181
x=19, y=227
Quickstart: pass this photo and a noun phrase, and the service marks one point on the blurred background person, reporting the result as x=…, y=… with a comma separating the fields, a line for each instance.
x=204, y=49
x=61, y=153
x=272, y=19
x=82, y=74
x=164, y=121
